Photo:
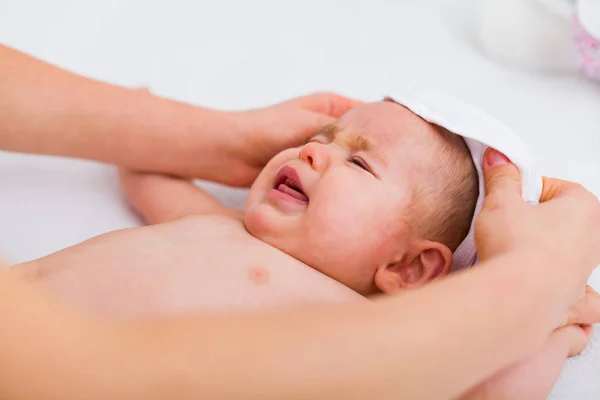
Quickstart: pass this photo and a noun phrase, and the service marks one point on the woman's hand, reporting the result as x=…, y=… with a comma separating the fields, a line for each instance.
x=559, y=243
x=229, y=147
x=47, y=110
x=260, y=134
x=559, y=239
x=534, y=378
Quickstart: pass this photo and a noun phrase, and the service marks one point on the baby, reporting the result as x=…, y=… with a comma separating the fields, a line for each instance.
x=374, y=203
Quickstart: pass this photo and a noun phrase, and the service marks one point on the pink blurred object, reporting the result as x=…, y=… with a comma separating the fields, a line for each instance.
x=586, y=37
x=587, y=49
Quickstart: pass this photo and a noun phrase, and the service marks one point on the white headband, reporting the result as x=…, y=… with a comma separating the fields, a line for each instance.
x=480, y=131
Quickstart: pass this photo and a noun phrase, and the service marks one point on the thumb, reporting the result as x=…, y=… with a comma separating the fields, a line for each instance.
x=502, y=177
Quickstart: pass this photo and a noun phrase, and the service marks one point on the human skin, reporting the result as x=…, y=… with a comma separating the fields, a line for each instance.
x=353, y=221
x=381, y=350
x=281, y=354
x=47, y=110
x=287, y=252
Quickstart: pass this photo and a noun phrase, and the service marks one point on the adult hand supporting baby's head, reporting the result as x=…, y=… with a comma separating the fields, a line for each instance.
x=231, y=147
x=558, y=240
x=267, y=131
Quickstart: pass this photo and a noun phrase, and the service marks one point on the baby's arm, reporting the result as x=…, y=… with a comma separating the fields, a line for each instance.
x=162, y=198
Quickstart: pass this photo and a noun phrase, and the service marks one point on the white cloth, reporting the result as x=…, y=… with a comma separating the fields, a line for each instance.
x=479, y=130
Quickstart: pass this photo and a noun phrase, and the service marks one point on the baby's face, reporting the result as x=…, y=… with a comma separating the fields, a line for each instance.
x=340, y=202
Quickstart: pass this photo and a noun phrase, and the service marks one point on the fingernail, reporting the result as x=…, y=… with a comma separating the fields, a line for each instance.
x=494, y=158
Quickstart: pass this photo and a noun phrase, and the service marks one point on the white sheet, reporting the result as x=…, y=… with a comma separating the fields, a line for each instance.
x=239, y=54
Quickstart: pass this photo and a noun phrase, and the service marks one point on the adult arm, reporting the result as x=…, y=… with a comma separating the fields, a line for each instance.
x=394, y=348
x=47, y=110
x=411, y=346
x=435, y=342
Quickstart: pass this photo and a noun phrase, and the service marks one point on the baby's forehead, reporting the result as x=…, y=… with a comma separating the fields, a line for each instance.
x=386, y=123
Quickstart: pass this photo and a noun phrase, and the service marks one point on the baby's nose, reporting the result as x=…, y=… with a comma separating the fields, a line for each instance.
x=315, y=154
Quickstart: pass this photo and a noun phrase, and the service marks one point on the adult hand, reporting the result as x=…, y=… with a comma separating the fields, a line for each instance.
x=558, y=239
x=262, y=133
x=534, y=377
x=46, y=110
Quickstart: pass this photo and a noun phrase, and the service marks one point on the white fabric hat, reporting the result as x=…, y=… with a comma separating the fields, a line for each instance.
x=480, y=131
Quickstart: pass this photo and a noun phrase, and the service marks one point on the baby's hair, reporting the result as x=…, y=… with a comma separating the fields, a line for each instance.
x=444, y=204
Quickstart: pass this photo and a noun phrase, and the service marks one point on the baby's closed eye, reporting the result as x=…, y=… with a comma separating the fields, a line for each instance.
x=360, y=163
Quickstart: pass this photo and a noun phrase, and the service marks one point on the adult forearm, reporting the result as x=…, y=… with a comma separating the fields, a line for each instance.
x=400, y=347
x=47, y=110
x=432, y=343
x=48, y=351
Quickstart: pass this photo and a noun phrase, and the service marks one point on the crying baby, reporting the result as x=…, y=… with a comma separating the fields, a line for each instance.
x=375, y=203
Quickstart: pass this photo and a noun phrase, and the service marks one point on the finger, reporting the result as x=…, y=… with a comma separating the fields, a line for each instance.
x=326, y=103
x=502, y=178
x=576, y=336
x=551, y=187
x=554, y=188
x=587, y=310
x=312, y=122
x=320, y=120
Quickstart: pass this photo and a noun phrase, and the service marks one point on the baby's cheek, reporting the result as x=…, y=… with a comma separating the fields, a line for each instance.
x=357, y=241
x=282, y=158
x=380, y=234
x=266, y=179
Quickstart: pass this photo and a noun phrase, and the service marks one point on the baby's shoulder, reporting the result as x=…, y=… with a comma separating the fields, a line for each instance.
x=226, y=236
x=209, y=225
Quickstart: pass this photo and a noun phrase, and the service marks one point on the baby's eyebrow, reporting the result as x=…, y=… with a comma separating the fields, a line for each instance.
x=329, y=131
x=359, y=142
x=356, y=142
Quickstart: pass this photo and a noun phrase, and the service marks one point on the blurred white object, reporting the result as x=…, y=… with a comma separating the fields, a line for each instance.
x=589, y=14
x=527, y=33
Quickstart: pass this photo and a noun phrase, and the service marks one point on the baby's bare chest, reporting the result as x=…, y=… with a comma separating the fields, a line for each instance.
x=200, y=263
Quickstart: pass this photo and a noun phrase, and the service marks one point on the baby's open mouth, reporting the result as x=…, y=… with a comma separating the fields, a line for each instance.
x=288, y=182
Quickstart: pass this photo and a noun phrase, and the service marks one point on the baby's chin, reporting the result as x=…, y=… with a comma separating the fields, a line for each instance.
x=267, y=219
x=253, y=222
x=266, y=224
x=259, y=220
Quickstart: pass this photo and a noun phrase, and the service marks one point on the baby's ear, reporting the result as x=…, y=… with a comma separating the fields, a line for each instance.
x=425, y=262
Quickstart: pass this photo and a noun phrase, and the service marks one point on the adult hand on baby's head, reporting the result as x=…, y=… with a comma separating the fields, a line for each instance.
x=557, y=240
x=265, y=132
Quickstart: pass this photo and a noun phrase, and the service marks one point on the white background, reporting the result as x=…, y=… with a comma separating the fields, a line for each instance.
x=242, y=54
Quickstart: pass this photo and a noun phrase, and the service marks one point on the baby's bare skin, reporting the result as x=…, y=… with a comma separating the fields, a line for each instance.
x=331, y=242
x=196, y=263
